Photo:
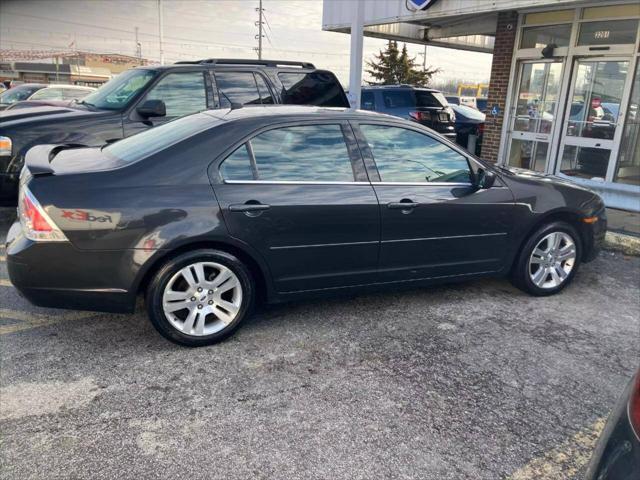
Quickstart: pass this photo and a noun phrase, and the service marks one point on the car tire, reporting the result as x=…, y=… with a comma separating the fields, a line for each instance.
x=552, y=267
x=200, y=297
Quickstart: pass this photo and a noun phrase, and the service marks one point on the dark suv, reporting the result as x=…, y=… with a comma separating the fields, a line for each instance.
x=148, y=96
x=425, y=106
x=208, y=213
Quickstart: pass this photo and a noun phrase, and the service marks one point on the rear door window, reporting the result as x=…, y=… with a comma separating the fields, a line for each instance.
x=316, y=153
x=237, y=87
x=314, y=88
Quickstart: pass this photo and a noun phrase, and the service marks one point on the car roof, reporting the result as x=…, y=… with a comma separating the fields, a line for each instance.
x=285, y=112
x=210, y=63
x=398, y=87
x=71, y=87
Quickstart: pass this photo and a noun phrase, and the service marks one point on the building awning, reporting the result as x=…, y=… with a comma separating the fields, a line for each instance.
x=459, y=24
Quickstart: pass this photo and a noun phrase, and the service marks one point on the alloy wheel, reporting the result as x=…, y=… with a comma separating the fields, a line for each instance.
x=552, y=260
x=202, y=298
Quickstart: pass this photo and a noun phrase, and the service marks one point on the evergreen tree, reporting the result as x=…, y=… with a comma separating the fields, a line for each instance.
x=393, y=67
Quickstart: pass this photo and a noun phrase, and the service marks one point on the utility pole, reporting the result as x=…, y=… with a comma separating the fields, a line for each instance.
x=259, y=24
x=138, y=48
x=355, y=59
x=424, y=59
x=161, y=28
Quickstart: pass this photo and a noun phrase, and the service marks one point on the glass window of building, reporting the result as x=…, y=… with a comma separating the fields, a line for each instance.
x=608, y=32
x=628, y=168
x=540, y=37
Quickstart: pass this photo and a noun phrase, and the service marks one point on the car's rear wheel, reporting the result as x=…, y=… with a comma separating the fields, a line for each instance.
x=549, y=260
x=200, y=297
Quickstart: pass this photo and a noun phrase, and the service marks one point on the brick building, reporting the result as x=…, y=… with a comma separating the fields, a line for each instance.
x=564, y=93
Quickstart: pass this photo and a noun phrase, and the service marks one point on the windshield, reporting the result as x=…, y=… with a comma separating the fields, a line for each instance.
x=16, y=94
x=117, y=92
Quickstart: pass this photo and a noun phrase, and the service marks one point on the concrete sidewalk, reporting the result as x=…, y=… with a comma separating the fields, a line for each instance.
x=623, y=231
x=623, y=221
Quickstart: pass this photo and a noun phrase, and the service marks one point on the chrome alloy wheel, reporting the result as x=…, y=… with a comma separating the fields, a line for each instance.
x=552, y=260
x=202, y=298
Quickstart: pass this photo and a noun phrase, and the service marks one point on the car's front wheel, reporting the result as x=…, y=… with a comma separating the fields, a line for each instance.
x=549, y=260
x=200, y=297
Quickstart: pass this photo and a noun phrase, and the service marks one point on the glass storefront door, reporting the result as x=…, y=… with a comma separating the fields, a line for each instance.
x=534, y=114
x=591, y=117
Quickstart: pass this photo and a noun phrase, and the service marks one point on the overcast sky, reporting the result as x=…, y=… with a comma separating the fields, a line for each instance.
x=204, y=29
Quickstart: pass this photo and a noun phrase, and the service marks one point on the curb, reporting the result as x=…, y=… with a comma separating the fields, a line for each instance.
x=618, y=242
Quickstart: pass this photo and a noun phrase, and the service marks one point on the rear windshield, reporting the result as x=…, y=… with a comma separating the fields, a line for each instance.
x=314, y=88
x=144, y=144
x=412, y=98
x=430, y=99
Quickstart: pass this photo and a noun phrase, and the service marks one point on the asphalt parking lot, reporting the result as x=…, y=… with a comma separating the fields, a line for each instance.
x=469, y=381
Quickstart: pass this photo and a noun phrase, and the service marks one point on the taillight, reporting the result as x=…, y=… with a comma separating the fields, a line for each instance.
x=420, y=116
x=480, y=129
x=36, y=224
x=634, y=406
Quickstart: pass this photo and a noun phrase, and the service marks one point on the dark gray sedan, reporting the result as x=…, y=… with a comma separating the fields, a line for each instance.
x=211, y=212
x=617, y=454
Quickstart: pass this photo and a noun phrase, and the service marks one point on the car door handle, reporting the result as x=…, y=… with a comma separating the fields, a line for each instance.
x=405, y=205
x=249, y=207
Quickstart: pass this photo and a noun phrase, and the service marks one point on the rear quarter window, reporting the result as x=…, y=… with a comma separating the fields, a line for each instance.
x=313, y=88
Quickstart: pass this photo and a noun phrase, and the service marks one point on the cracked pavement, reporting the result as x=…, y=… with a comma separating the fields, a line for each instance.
x=468, y=381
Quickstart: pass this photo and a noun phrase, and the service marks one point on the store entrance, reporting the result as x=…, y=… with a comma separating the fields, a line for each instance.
x=534, y=115
x=592, y=117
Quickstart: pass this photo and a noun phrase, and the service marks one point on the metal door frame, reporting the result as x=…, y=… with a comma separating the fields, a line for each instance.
x=548, y=138
x=613, y=145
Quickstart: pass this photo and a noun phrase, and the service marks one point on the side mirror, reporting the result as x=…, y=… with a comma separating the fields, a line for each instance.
x=152, y=108
x=485, y=178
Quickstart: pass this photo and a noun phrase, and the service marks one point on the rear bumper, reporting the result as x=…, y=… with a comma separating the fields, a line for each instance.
x=57, y=275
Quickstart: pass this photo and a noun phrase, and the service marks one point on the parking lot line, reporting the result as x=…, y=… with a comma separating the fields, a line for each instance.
x=564, y=461
x=3, y=258
x=33, y=320
x=5, y=283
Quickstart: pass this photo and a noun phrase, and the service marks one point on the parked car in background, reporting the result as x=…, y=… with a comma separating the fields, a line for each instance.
x=208, y=213
x=617, y=453
x=145, y=97
x=18, y=93
x=425, y=106
x=469, y=121
x=62, y=92
x=54, y=95
x=481, y=104
x=466, y=101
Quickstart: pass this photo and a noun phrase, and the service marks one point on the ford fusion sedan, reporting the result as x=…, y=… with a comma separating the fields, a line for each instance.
x=210, y=213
